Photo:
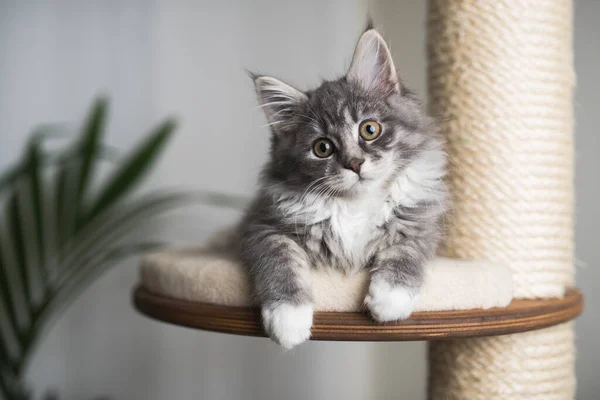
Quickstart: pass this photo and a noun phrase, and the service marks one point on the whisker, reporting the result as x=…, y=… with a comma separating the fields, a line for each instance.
x=312, y=186
x=270, y=104
x=271, y=124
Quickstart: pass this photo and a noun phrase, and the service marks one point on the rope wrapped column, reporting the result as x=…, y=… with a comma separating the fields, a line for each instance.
x=501, y=80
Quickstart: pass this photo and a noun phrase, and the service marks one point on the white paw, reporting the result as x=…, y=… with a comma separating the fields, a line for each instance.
x=288, y=324
x=390, y=303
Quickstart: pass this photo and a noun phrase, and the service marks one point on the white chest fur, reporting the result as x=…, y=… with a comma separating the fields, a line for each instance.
x=353, y=225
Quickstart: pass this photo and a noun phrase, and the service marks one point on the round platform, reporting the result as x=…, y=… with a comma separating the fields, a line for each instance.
x=519, y=316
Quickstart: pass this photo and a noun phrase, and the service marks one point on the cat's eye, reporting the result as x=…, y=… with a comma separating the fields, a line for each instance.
x=323, y=148
x=369, y=130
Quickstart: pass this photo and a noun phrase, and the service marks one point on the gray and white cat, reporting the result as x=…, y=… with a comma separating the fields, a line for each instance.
x=354, y=181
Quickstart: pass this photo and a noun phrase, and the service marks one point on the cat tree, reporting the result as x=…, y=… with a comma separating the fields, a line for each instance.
x=501, y=80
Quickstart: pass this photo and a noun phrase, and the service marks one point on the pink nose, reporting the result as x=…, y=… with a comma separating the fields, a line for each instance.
x=354, y=164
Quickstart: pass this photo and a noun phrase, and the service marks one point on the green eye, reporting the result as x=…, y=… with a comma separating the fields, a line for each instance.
x=369, y=130
x=323, y=148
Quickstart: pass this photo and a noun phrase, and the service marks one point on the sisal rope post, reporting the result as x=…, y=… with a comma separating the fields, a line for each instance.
x=501, y=81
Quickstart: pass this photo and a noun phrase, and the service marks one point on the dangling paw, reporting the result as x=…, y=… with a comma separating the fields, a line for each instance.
x=288, y=324
x=390, y=303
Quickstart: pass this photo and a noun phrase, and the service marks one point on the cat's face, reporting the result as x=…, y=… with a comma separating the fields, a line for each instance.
x=348, y=136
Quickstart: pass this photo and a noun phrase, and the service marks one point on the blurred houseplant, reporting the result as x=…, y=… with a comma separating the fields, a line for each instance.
x=59, y=231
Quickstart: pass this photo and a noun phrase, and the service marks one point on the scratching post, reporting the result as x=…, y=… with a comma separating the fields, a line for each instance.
x=501, y=78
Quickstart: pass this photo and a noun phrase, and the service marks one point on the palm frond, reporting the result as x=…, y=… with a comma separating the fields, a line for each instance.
x=69, y=289
x=87, y=150
x=18, y=240
x=48, y=158
x=57, y=235
x=7, y=357
x=133, y=168
x=113, y=225
x=8, y=302
x=3, y=390
x=65, y=178
x=39, y=135
x=34, y=174
x=89, y=146
x=76, y=282
x=8, y=178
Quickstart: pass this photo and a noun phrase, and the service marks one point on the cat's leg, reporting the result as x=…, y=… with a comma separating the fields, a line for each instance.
x=397, y=274
x=281, y=275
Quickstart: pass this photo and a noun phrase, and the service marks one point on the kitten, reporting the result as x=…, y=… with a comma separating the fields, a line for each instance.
x=354, y=181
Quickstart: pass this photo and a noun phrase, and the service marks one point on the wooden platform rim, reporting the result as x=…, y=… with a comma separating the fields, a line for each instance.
x=520, y=316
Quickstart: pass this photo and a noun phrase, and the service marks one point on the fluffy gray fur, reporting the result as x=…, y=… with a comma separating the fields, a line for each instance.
x=370, y=204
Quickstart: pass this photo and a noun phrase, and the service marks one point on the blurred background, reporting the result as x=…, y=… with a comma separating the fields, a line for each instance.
x=187, y=59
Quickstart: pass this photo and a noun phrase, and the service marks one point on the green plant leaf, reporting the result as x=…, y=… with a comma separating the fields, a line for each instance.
x=59, y=200
x=18, y=240
x=86, y=275
x=133, y=168
x=3, y=389
x=44, y=132
x=89, y=232
x=41, y=133
x=6, y=298
x=113, y=225
x=88, y=272
x=64, y=213
x=89, y=147
x=7, y=358
x=68, y=291
x=33, y=168
x=9, y=177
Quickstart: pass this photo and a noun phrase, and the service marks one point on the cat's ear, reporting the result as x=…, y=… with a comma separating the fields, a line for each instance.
x=277, y=99
x=372, y=65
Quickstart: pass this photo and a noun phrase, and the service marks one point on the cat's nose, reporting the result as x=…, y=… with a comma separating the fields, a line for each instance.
x=354, y=164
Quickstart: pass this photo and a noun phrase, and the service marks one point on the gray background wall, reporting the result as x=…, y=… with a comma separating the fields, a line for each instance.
x=587, y=192
x=186, y=58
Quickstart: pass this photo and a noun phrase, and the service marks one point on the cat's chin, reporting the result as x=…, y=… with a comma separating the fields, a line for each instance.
x=359, y=188
x=350, y=182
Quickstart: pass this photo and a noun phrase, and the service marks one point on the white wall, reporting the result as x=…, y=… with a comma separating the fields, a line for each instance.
x=587, y=193
x=187, y=57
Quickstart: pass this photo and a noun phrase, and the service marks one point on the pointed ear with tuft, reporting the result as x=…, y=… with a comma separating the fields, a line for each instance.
x=372, y=65
x=278, y=100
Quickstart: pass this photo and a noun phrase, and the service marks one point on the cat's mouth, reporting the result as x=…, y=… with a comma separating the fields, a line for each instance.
x=351, y=186
x=361, y=179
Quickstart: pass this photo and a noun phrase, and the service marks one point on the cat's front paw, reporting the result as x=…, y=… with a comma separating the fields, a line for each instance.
x=390, y=303
x=288, y=324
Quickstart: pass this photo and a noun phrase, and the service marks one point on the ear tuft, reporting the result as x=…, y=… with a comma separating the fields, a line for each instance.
x=372, y=65
x=369, y=25
x=277, y=100
x=252, y=75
